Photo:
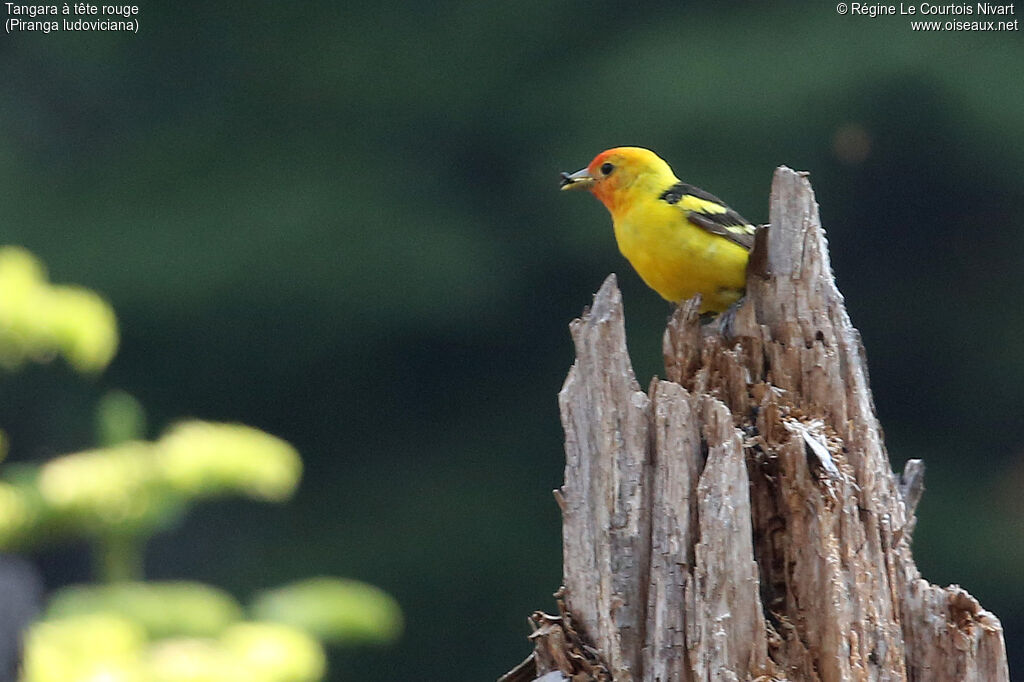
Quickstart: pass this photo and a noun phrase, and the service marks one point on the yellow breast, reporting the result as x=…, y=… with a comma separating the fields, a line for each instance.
x=678, y=259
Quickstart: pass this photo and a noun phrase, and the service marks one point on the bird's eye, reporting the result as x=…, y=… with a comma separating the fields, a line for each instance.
x=607, y=168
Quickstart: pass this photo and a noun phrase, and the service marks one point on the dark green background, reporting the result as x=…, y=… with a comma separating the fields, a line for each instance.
x=340, y=223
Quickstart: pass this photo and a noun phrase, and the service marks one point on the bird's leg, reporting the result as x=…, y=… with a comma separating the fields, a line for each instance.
x=708, y=318
x=728, y=318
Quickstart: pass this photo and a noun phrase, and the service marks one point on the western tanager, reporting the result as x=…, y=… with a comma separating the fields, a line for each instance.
x=681, y=240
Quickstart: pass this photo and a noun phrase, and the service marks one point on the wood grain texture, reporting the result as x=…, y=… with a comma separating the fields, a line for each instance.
x=606, y=532
x=676, y=463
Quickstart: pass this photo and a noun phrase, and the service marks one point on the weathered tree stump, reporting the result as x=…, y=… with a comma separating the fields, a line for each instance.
x=740, y=520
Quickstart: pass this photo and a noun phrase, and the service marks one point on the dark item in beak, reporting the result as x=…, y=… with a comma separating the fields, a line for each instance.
x=581, y=179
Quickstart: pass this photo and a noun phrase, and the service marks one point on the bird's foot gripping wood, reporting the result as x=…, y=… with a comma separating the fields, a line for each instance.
x=724, y=323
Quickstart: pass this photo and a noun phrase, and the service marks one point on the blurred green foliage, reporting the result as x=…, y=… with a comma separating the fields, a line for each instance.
x=199, y=459
x=102, y=646
x=163, y=609
x=89, y=646
x=334, y=610
x=118, y=496
x=339, y=222
x=135, y=488
x=191, y=632
x=39, y=320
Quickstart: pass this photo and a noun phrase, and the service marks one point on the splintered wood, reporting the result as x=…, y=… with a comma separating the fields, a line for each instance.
x=740, y=520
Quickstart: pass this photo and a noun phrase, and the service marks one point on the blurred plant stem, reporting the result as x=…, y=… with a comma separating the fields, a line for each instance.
x=117, y=557
x=120, y=418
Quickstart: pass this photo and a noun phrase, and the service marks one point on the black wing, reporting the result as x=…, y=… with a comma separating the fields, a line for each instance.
x=710, y=213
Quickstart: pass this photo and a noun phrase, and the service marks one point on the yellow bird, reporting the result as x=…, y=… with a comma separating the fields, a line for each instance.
x=681, y=240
